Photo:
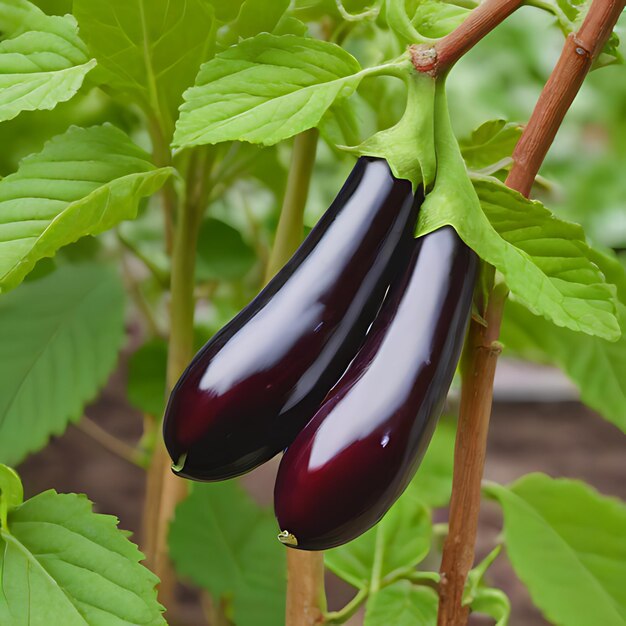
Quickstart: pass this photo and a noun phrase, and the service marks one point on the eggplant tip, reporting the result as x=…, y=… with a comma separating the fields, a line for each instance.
x=177, y=466
x=287, y=538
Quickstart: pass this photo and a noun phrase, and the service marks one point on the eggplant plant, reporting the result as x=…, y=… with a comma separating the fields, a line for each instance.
x=305, y=195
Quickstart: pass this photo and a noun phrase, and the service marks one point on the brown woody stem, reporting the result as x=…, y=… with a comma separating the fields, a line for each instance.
x=436, y=59
x=306, y=601
x=482, y=348
x=480, y=358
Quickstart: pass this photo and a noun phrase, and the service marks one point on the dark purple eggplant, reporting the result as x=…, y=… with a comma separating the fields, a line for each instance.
x=356, y=456
x=253, y=387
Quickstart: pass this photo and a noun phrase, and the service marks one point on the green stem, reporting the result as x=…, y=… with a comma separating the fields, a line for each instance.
x=162, y=157
x=164, y=490
x=344, y=614
x=291, y=224
x=182, y=305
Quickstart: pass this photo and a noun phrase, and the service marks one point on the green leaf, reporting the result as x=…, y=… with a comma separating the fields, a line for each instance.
x=543, y=260
x=596, y=366
x=437, y=18
x=492, y=602
x=289, y=25
x=11, y=494
x=148, y=51
x=146, y=378
x=264, y=90
x=475, y=578
x=82, y=183
x=567, y=544
x=225, y=543
x=433, y=482
x=409, y=146
x=490, y=143
x=63, y=564
x=42, y=59
x=394, y=546
x=222, y=252
x=255, y=16
x=483, y=599
x=400, y=23
x=402, y=604
x=226, y=11
x=59, y=341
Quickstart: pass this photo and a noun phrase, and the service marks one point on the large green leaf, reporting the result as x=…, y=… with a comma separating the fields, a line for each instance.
x=63, y=564
x=567, y=544
x=42, y=59
x=148, y=50
x=545, y=261
x=393, y=547
x=266, y=89
x=226, y=544
x=59, y=340
x=82, y=183
x=402, y=604
x=596, y=366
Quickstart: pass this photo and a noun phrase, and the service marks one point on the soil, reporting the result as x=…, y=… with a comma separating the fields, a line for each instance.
x=559, y=438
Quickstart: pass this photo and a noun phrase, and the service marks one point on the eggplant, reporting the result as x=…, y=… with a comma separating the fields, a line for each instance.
x=358, y=453
x=257, y=382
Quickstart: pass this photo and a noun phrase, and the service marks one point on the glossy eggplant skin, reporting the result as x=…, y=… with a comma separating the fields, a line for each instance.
x=359, y=452
x=252, y=388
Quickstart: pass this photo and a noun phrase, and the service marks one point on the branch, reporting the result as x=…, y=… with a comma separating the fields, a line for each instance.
x=110, y=442
x=482, y=347
x=439, y=58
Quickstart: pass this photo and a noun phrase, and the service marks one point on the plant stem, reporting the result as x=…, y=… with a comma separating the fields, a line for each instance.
x=481, y=355
x=306, y=601
x=291, y=223
x=305, y=570
x=143, y=307
x=344, y=614
x=438, y=58
x=482, y=348
x=110, y=442
x=162, y=157
x=164, y=490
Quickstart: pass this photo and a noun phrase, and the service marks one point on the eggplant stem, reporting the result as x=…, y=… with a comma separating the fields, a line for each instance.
x=286, y=538
x=180, y=464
